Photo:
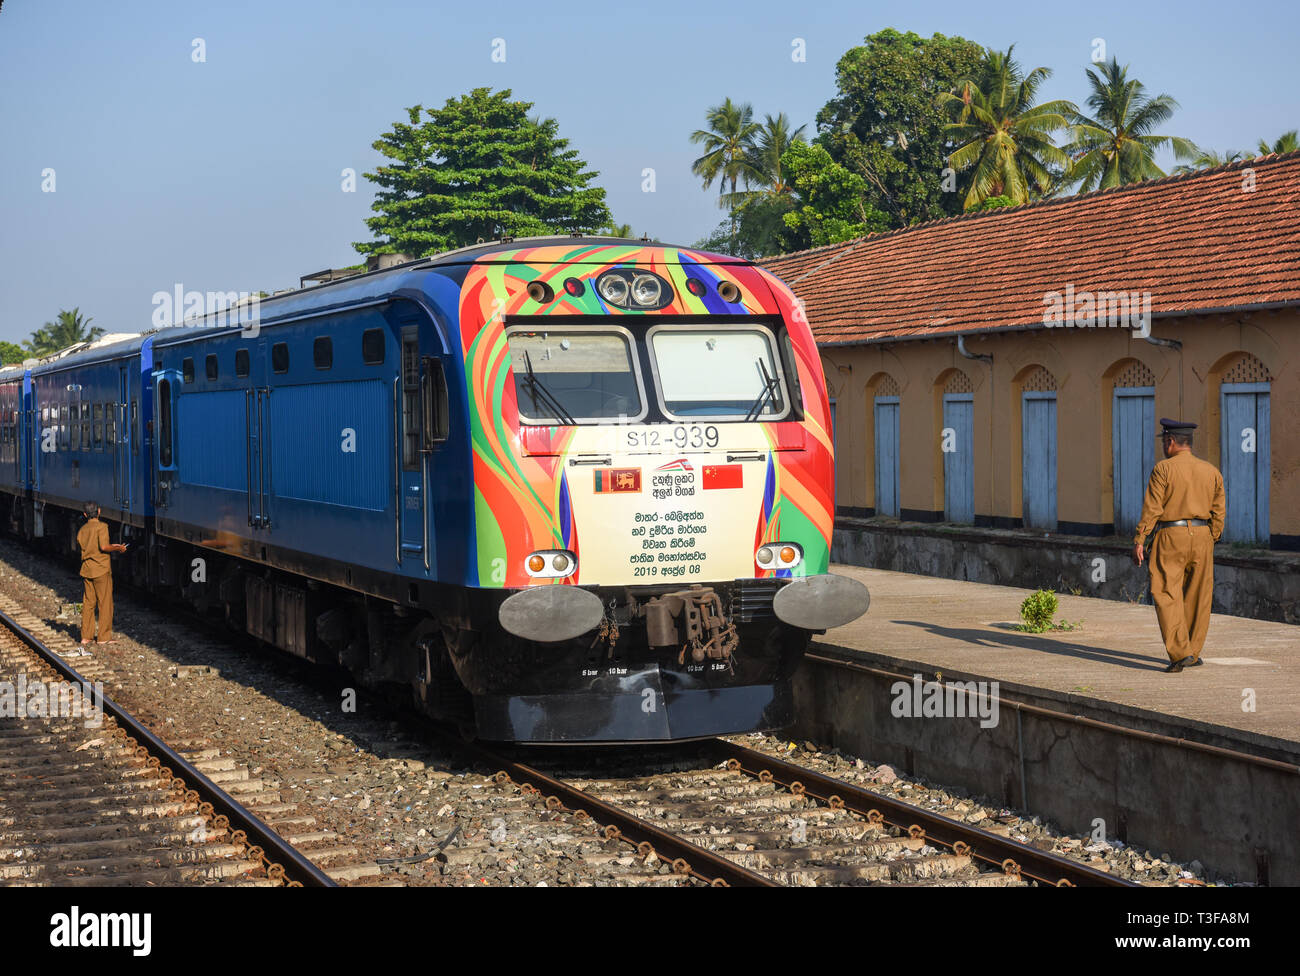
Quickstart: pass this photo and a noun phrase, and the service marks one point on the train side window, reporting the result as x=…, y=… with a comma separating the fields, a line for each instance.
x=63, y=427
x=98, y=415
x=322, y=352
x=110, y=425
x=241, y=362
x=187, y=369
x=85, y=426
x=372, y=347
x=210, y=366
x=74, y=429
x=135, y=427
x=165, y=423
x=280, y=357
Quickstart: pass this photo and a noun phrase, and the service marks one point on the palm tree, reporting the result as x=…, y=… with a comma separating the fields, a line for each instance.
x=1002, y=134
x=1286, y=142
x=729, y=145
x=67, y=329
x=1209, y=159
x=769, y=145
x=1116, y=145
x=619, y=230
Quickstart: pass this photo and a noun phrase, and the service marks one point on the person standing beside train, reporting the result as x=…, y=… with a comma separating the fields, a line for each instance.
x=98, y=574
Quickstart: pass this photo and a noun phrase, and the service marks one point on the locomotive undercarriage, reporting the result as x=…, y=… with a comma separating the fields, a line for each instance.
x=664, y=662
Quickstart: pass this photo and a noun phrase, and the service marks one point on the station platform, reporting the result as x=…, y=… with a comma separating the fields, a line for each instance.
x=1246, y=697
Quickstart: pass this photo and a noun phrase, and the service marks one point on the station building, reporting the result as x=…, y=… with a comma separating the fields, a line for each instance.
x=1007, y=369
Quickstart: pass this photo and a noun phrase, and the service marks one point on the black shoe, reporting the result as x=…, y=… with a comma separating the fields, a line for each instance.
x=1176, y=666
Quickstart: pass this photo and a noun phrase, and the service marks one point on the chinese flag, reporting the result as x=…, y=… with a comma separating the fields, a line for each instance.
x=723, y=476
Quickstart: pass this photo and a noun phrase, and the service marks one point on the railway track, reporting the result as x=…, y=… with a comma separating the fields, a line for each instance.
x=743, y=818
x=90, y=796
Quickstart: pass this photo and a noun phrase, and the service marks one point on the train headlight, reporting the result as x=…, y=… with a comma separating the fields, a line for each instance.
x=613, y=288
x=633, y=289
x=551, y=564
x=779, y=555
x=646, y=290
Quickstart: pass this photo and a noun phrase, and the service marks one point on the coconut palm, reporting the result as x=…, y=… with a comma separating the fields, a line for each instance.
x=1001, y=134
x=1116, y=144
x=774, y=137
x=619, y=230
x=1209, y=159
x=68, y=328
x=1286, y=142
x=729, y=145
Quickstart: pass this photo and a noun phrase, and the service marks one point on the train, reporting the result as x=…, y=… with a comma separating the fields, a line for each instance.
x=555, y=490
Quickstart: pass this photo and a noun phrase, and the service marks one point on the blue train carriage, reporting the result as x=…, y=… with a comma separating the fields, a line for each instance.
x=307, y=485
x=15, y=449
x=87, y=439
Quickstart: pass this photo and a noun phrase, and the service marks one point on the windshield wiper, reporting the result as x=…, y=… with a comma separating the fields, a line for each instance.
x=770, y=386
x=542, y=395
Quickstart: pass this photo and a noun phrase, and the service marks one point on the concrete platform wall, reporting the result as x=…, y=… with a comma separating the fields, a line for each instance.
x=1263, y=586
x=1235, y=814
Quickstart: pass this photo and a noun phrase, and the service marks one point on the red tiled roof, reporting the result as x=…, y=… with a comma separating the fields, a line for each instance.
x=1197, y=243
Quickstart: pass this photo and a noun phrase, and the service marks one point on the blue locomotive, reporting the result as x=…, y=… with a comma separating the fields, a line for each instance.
x=563, y=489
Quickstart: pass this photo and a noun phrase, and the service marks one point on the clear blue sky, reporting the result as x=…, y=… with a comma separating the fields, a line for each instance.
x=225, y=175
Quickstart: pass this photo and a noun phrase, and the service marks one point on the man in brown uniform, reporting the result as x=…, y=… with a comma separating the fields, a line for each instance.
x=1185, y=505
x=95, y=570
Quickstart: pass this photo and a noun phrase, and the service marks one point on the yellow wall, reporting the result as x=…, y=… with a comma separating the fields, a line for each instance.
x=1085, y=364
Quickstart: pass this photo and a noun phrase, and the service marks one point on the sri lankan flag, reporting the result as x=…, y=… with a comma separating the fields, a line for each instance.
x=617, y=479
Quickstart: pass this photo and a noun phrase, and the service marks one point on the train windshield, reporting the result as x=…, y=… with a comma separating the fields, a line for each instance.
x=575, y=377
x=719, y=373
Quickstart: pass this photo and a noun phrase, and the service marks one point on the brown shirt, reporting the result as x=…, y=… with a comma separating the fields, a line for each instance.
x=1183, y=487
x=93, y=539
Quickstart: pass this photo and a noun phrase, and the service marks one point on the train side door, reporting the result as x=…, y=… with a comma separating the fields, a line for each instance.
x=166, y=386
x=408, y=418
x=119, y=446
x=250, y=363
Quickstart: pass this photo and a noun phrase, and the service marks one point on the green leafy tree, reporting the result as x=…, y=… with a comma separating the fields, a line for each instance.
x=831, y=200
x=1116, y=144
x=1003, y=137
x=886, y=124
x=476, y=169
x=67, y=329
x=1285, y=143
x=10, y=353
x=618, y=230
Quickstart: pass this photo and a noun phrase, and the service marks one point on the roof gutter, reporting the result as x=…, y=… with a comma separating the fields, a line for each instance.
x=1032, y=326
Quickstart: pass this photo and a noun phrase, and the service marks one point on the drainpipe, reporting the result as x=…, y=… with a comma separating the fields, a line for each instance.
x=1172, y=344
x=961, y=348
x=985, y=358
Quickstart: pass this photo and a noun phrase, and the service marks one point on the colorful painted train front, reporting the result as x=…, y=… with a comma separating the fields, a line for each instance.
x=566, y=489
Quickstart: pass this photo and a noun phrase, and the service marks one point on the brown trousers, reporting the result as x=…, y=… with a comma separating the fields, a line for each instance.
x=99, y=593
x=1182, y=586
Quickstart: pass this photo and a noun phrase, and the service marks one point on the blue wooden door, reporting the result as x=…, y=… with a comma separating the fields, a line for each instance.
x=1245, y=457
x=1038, y=460
x=1133, y=451
x=958, y=446
x=886, y=409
